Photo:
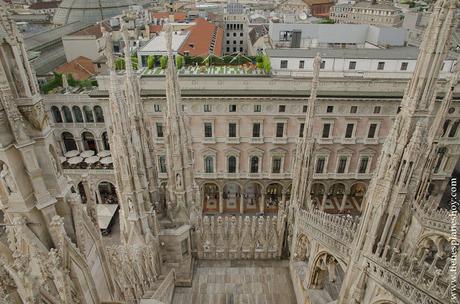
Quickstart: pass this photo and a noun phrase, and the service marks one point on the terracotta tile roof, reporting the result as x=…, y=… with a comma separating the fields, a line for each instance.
x=81, y=68
x=153, y=28
x=313, y=2
x=93, y=30
x=178, y=17
x=204, y=37
x=44, y=5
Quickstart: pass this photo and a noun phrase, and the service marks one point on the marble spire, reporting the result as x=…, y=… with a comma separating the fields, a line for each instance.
x=135, y=172
x=183, y=193
x=387, y=204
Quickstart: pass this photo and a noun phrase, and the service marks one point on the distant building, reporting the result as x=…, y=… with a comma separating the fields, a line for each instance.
x=364, y=12
x=48, y=7
x=334, y=35
x=199, y=38
x=319, y=8
x=236, y=29
x=87, y=42
x=397, y=62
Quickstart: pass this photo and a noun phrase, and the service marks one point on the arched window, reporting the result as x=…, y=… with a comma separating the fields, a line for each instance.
x=56, y=114
x=67, y=114
x=209, y=164
x=441, y=155
x=77, y=114
x=89, y=143
x=232, y=164
x=445, y=127
x=105, y=141
x=69, y=142
x=453, y=130
x=255, y=164
x=88, y=114
x=99, y=114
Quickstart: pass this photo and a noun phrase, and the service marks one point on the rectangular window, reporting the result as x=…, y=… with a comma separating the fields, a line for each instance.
x=232, y=129
x=342, y=164
x=302, y=127
x=353, y=109
x=159, y=129
x=404, y=66
x=207, y=129
x=279, y=129
x=284, y=64
x=232, y=108
x=372, y=129
x=156, y=108
x=256, y=129
x=326, y=130
x=276, y=165
x=329, y=109
x=162, y=163
x=352, y=65
x=377, y=109
x=184, y=247
x=301, y=64
x=257, y=108
x=381, y=66
x=304, y=109
x=320, y=164
x=207, y=108
x=349, y=130
x=363, y=164
x=282, y=108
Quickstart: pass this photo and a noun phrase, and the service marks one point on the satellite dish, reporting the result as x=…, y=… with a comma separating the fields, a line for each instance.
x=302, y=16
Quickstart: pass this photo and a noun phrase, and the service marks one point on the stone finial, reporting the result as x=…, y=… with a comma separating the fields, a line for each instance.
x=108, y=50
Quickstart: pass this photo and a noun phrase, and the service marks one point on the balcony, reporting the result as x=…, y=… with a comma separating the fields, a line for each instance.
x=256, y=140
x=348, y=141
x=209, y=140
x=233, y=140
x=371, y=141
x=325, y=141
x=280, y=140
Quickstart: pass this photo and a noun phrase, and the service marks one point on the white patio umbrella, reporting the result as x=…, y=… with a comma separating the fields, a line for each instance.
x=106, y=160
x=104, y=153
x=75, y=160
x=92, y=159
x=72, y=153
x=87, y=153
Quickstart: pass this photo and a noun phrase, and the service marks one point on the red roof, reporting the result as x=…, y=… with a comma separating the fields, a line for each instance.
x=178, y=17
x=44, y=5
x=153, y=28
x=204, y=37
x=81, y=68
x=93, y=30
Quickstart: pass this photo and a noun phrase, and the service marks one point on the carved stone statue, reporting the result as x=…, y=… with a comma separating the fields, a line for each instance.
x=7, y=180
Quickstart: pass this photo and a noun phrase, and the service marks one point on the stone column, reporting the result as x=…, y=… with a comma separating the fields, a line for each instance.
x=342, y=204
x=262, y=203
x=283, y=198
x=241, y=204
x=221, y=202
x=323, y=202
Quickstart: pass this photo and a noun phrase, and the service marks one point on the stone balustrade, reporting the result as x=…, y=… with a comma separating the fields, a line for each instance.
x=437, y=219
x=410, y=277
x=333, y=231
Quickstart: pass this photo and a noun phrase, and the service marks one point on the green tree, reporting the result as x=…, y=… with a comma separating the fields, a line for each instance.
x=179, y=61
x=120, y=64
x=164, y=62
x=266, y=64
x=150, y=62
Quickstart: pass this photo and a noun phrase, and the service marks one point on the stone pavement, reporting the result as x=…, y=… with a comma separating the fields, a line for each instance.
x=238, y=282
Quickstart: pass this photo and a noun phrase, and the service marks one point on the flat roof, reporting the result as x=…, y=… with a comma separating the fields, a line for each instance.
x=158, y=44
x=271, y=93
x=395, y=53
